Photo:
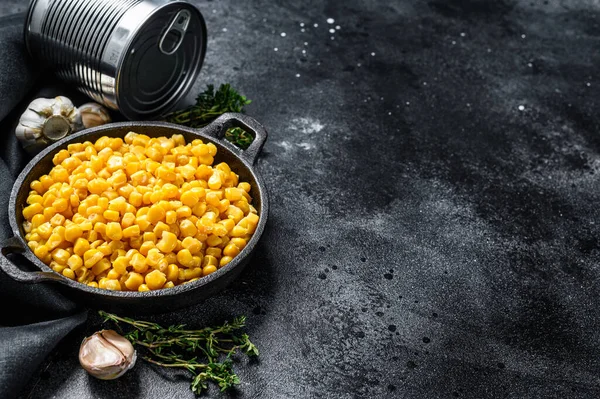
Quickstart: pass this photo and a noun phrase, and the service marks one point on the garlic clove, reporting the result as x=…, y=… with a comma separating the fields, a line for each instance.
x=106, y=355
x=47, y=120
x=94, y=114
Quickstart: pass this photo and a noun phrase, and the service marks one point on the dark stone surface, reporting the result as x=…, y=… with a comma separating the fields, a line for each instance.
x=433, y=171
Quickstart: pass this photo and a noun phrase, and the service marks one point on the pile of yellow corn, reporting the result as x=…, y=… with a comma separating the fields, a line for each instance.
x=138, y=214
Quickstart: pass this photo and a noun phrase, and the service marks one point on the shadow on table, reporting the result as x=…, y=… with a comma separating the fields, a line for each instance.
x=127, y=386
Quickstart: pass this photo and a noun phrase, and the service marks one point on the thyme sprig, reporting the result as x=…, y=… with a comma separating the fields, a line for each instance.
x=198, y=351
x=211, y=104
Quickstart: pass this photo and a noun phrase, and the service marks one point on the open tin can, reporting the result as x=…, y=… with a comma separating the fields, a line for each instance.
x=139, y=57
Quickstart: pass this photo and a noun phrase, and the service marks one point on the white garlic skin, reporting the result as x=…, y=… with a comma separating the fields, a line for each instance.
x=94, y=114
x=31, y=123
x=106, y=355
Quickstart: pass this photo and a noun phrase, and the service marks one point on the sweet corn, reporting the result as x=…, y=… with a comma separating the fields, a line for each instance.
x=134, y=281
x=113, y=231
x=216, y=252
x=81, y=246
x=101, y=266
x=191, y=244
x=91, y=257
x=131, y=231
x=231, y=250
x=209, y=260
x=112, y=275
x=225, y=260
x=73, y=232
x=155, y=280
x=120, y=264
x=172, y=272
x=138, y=261
x=32, y=210
x=41, y=251
x=110, y=284
x=168, y=242
x=184, y=257
x=60, y=256
x=157, y=207
x=68, y=273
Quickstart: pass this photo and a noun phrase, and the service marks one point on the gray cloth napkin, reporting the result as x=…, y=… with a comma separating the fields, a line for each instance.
x=34, y=317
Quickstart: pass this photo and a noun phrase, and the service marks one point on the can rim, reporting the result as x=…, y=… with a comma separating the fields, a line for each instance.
x=193, y=74
x=30, y=9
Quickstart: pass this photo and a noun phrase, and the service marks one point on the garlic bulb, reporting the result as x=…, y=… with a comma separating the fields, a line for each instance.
x=106, y=355
x=93, y=114
x=47, y=120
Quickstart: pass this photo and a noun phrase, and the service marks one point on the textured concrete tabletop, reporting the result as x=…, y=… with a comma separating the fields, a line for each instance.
x=433, y=172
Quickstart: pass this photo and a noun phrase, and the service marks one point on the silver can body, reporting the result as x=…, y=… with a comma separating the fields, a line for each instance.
x=139, y=57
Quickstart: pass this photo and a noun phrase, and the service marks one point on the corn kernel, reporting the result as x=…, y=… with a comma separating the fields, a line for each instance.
x=191, y=244
x=113, y=231
x=153, y=257
x=155, y=214
x=101, y=266
x=225, y=260
x=209, y=260
x=75, y=262
x=98, y=185
x=134, y=280
x=206, y=270
x=110, y=284
x=135, y=198
x=184, y=257
x=33, y=209
x=184, y=212
x=91, y=257
x=120, y=264
x=138, y=261
x=172, y=272
x=111, y=215
x=145, y=247
x=238, y=231
x=168, y=242
x=213, y=251
x=53, y=241
x=73, y=232
x=160, y=229
x=41, y=251
x=93, y=284
x=60, y=256
x=155, y=280
x=60, y=204
x=131, y=231
x=143, y=288
x=189, y=274
x=213, y=240
x=112, y=275
x=68, y=273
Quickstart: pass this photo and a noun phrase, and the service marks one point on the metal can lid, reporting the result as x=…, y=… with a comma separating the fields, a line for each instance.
x=161, y=61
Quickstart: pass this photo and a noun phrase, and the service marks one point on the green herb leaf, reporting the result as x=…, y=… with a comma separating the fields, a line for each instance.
x=197, y=351
x=211, y=104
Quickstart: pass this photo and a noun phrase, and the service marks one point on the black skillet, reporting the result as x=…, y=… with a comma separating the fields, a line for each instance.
x=240, y=161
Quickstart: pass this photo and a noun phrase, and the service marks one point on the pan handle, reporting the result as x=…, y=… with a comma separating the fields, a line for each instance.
x=13, y=245
x=220, y=125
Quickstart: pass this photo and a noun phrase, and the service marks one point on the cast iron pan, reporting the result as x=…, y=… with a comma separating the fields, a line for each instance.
x=240, y=161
